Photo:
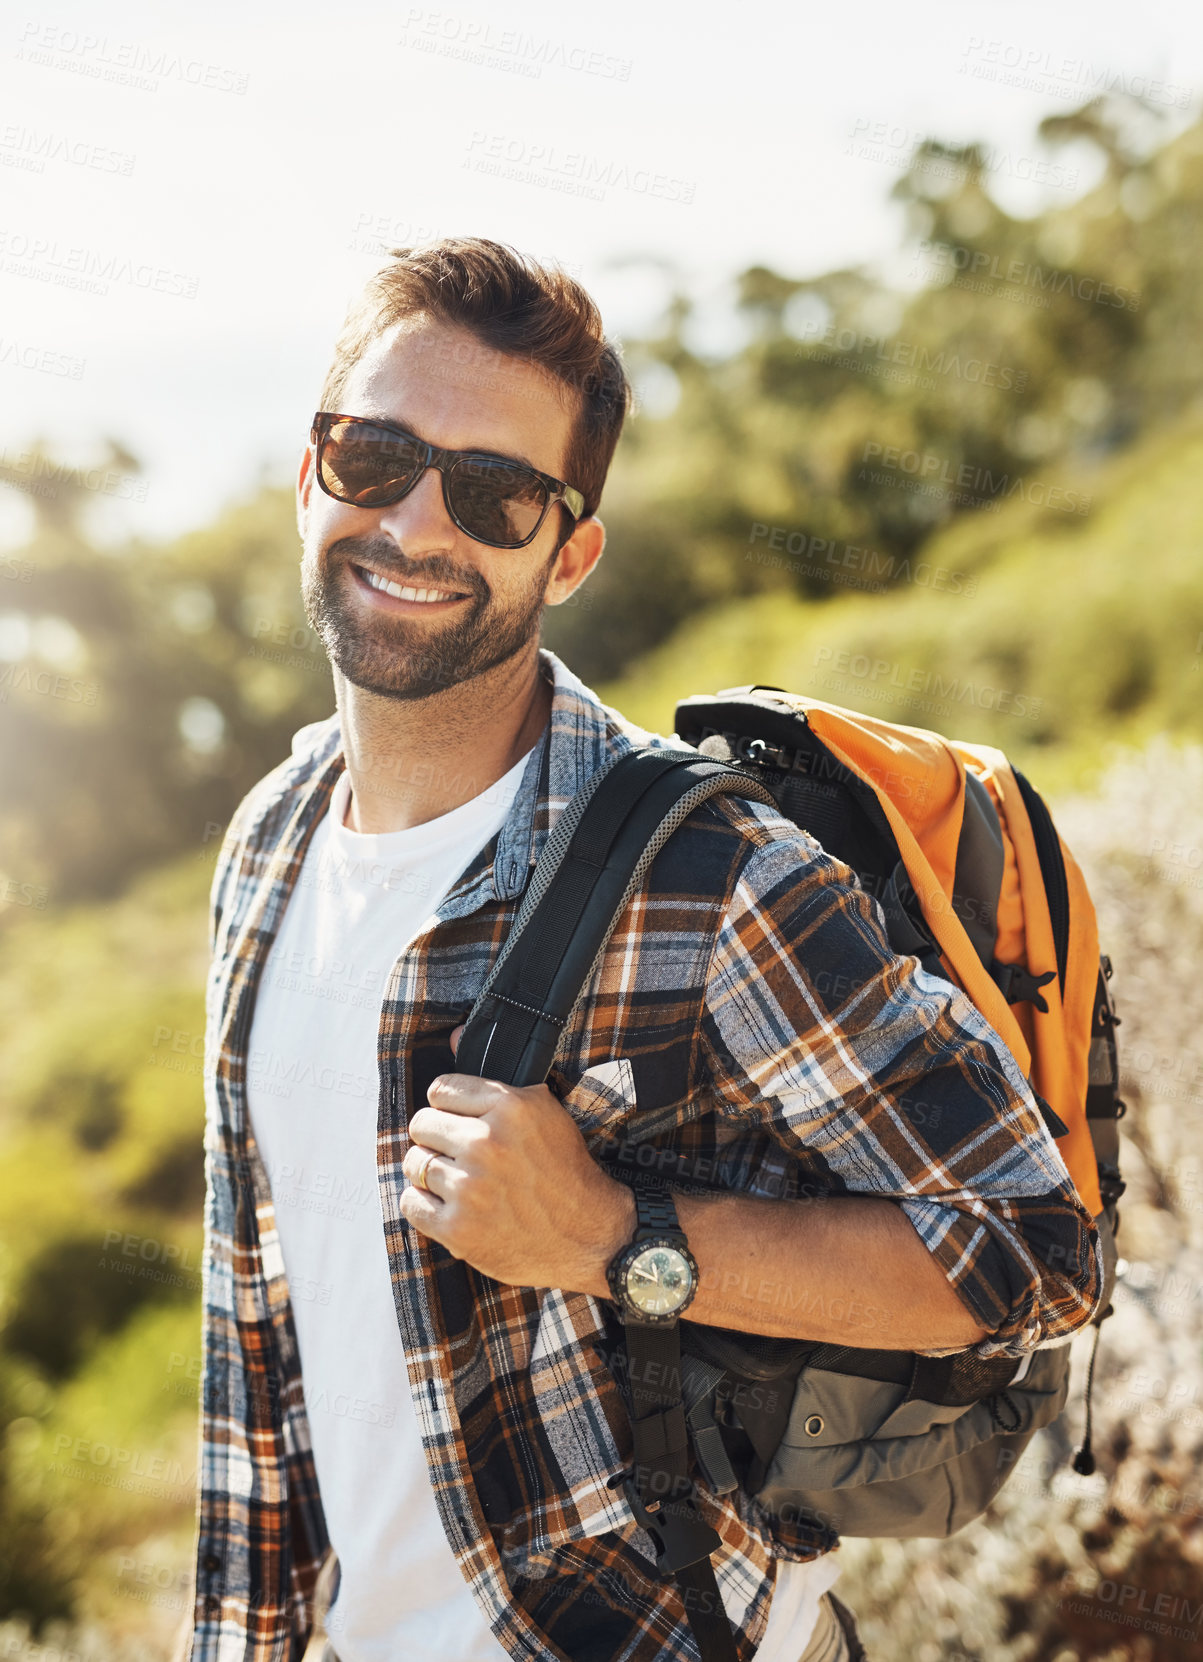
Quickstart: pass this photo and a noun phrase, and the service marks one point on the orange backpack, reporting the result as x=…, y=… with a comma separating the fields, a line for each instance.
x=987, y=891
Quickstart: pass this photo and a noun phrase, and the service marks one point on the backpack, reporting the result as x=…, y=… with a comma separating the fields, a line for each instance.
x=963, y=858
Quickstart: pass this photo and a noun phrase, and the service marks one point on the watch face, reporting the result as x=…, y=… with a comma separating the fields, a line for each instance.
x=659, y=1280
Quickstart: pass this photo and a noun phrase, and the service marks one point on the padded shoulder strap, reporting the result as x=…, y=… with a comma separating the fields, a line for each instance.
x=597, y=855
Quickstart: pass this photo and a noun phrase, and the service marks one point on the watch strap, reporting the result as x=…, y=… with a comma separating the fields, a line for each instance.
x=656, y=1212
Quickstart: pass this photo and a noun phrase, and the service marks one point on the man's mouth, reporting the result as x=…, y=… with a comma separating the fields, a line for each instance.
x=413, y=593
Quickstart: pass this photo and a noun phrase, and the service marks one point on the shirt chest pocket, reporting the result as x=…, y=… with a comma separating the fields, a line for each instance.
x=603, y=1099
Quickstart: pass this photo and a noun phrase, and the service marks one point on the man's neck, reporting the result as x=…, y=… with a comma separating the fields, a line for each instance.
x=412, y=760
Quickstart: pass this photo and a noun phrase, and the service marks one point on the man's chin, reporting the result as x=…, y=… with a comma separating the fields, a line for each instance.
x=415, y=679
x=419, y=672
x=402, y=660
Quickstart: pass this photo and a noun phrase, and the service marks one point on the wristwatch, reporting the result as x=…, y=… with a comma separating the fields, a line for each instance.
x=655, y=1276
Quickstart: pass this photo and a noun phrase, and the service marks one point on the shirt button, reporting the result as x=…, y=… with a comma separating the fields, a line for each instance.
x=211, y=1562
x=212, y=1604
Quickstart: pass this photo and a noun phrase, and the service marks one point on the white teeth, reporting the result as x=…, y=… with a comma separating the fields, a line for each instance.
x=404, y=593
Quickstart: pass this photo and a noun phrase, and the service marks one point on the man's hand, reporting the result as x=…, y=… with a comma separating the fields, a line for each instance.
x=514, y=1190
x=517, y=1195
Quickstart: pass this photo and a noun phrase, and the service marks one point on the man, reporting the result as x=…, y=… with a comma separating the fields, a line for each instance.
x=406, y=1267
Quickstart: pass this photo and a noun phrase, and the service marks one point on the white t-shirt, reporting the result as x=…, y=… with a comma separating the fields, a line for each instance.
x=312, y=1093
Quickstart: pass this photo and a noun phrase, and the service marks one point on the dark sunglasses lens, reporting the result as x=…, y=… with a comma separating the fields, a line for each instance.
x=495, y=501
x=366, y=465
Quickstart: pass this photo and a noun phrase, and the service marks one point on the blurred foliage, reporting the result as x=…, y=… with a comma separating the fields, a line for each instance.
x=1031, y=578
x=101, y=1124
x=1004, y=367
x=147, y=689
x=1054, y=637
x=101, y=1476
x=1018, y=352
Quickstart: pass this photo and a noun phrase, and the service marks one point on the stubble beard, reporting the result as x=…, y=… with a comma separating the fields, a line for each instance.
x=395, y=658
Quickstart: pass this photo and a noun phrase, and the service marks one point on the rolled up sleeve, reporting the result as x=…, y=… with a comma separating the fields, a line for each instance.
x=885, y=1080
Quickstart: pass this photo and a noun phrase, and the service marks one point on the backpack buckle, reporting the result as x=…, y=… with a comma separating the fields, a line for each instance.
x=1111, y=1184
x=1018, y=985
x=680, y=1535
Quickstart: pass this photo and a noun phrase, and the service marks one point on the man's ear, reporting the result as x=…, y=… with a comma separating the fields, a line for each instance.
x=576, y=560
x=304, y=489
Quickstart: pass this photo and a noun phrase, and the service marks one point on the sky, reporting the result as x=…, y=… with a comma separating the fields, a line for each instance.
x=189, y=201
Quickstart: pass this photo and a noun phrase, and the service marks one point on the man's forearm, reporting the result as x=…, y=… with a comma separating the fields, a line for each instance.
x=850, y=1270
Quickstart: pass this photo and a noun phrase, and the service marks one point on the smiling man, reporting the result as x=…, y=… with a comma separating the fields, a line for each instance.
x=406, y=1290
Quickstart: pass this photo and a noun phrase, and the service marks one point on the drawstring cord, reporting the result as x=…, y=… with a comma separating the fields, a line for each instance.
x=1083, y=1461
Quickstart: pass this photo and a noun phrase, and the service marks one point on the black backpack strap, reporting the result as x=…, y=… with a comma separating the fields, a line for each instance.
x=661, y=1491
x=594, y=860
x=1052, y=869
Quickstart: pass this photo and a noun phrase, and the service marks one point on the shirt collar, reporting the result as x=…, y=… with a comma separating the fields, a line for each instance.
x=581, y=735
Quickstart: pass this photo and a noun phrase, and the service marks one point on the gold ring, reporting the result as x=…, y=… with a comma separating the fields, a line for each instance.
x=420, y=1179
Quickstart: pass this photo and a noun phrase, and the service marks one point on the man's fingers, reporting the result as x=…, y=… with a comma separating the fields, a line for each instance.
x=464, y=1093
x=418, y=1160
x=422, y=1210
x=446, y=1133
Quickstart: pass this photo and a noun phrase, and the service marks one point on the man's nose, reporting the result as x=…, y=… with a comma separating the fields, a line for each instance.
x=420, y=520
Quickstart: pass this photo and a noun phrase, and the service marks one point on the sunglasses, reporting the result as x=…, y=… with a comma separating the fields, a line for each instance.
x=492, y=499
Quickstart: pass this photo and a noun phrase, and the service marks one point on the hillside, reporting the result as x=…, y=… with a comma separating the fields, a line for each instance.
x=1056, y=636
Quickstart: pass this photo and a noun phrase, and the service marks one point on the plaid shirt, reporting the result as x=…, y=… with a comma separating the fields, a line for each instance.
x=751, y=1010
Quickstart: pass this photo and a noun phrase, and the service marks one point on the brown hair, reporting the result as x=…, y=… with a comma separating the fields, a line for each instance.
x=516, y=308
